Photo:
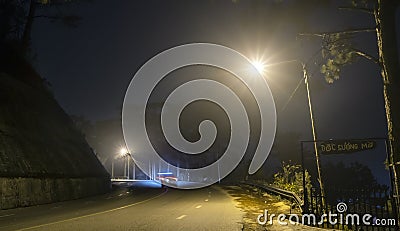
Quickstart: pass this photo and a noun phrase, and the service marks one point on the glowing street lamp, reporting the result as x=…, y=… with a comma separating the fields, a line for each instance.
x=123, y=152
x=259, y=65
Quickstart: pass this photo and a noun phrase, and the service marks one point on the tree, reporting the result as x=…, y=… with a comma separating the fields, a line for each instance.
x=350, y=182
x=337, y=51
x=353, y=176
x=291, y=178
x=17, y=22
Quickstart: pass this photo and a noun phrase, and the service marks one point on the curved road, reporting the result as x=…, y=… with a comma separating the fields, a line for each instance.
x=143, y=209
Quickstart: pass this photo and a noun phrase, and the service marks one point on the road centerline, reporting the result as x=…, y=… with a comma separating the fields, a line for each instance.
x=94, y=214
x=181, y=217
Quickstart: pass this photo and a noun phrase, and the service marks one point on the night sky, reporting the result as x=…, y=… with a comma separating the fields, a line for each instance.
x=90, y=67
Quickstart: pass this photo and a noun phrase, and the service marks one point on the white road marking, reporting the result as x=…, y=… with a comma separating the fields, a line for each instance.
x=199, y=206
x=7, y=215
x=181, y=217
x=94, y=214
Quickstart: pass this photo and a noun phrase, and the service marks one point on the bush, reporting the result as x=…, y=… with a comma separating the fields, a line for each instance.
x=291, y=178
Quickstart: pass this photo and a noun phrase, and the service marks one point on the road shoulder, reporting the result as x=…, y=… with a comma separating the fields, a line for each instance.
x=252, y=203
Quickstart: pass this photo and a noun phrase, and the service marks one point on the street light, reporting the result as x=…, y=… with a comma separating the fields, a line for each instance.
x=259, y=65
x=262, y=66
x=124, y=153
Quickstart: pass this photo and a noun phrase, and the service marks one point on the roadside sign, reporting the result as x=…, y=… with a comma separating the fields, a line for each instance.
x=345, y=146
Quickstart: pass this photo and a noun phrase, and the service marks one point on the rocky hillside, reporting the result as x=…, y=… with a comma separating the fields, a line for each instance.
x=43, y=157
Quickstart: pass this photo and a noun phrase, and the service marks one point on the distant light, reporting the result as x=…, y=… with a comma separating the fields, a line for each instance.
x=259, y=65
x=123, y=151
x=165, y=173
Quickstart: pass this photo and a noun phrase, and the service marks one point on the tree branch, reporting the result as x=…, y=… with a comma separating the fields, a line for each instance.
x=361, y=9
x=349, y=31
x=367, y=56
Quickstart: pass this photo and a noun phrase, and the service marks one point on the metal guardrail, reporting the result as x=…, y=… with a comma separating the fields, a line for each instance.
x=280, y=192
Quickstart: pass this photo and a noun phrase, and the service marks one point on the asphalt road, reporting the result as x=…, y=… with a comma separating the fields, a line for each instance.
x=145, y=209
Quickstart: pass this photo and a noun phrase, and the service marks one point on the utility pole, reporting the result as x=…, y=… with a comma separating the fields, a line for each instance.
x=124, y=168
x=149, y=170
x=112, y=168
x=134, y=170
x=314, y=133
x=128, y=157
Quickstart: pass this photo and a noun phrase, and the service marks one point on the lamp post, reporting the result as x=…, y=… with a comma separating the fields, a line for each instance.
x=314, y=133
x=259, y=66
x=124, y=167
x=126, y=154
x=127, y=157
x=112, y=168
x=134, y=170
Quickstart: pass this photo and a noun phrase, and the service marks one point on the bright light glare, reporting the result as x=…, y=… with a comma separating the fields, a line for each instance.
x=259, y=65
x=123, y=151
